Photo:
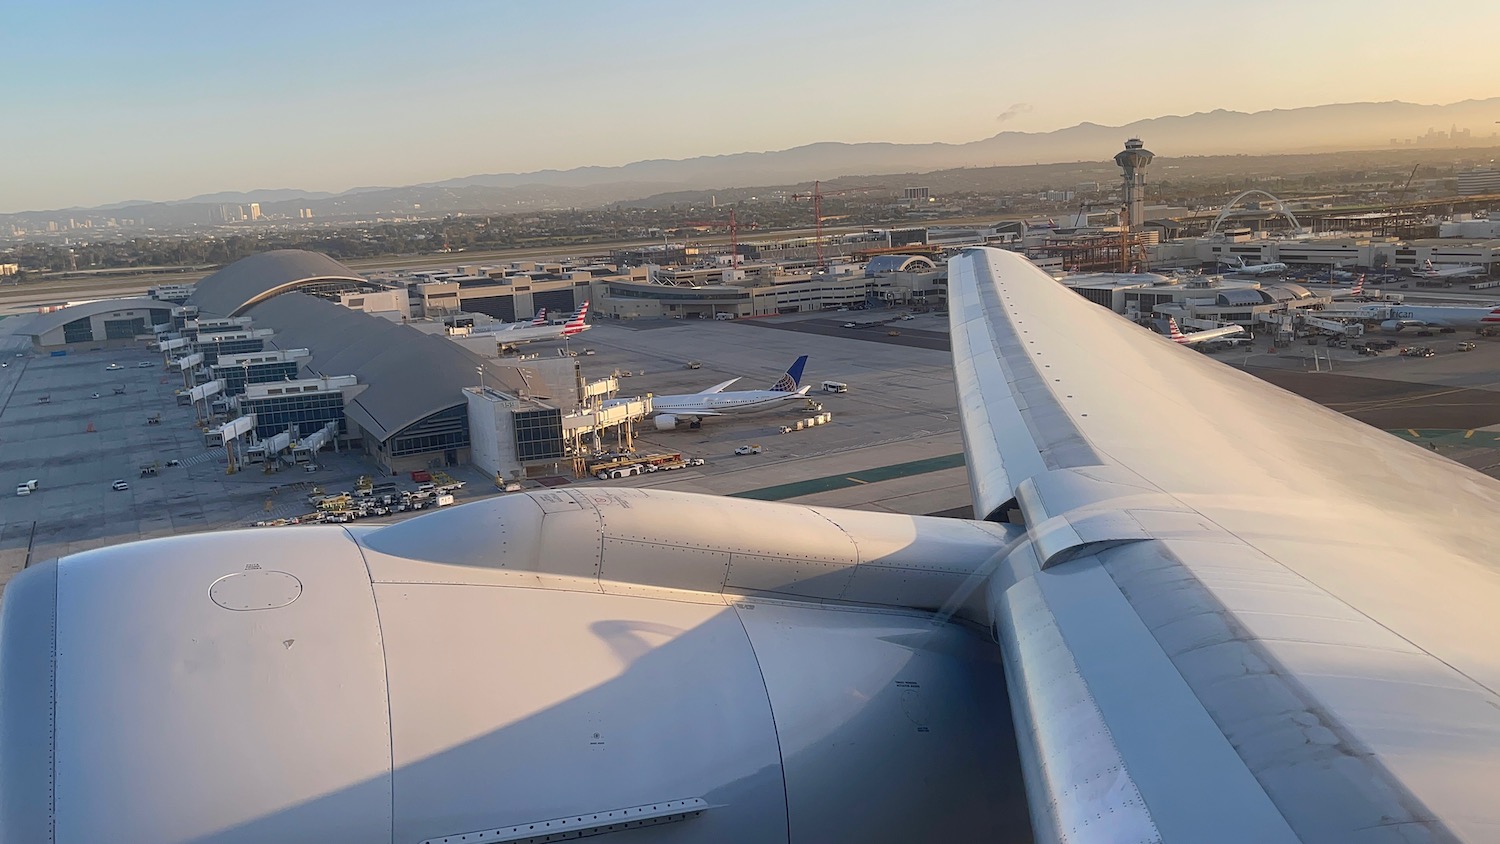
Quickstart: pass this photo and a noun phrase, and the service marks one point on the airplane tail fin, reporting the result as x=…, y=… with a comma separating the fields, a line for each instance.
x=1359, y=284
x=577, y=323
x=1173, y=332
x=540, y=319
x=788, y=382
x=1491, y=318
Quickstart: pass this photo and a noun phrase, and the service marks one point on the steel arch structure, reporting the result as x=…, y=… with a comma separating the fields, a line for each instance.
x=1276, y=204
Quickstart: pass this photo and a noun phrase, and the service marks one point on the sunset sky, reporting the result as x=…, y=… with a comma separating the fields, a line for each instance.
x=163, y=100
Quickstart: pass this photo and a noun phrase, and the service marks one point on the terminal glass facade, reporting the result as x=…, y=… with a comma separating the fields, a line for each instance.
x=539, y=434
x=308, y=411
x=211, y=351
x=234, y=377
x=442, y=431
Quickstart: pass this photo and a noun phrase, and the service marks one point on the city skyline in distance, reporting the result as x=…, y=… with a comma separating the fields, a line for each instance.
x=169, y=100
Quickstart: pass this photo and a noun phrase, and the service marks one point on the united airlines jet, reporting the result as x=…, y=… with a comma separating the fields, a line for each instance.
x=668, y=410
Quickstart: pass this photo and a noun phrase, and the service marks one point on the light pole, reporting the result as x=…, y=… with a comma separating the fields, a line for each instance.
x=480, y=370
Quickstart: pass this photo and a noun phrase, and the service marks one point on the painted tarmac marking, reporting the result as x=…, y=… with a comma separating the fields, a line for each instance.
x=866, y=476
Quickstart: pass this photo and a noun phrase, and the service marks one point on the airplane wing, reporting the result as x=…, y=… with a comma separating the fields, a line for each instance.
x=718, y=388
x=1237, y=615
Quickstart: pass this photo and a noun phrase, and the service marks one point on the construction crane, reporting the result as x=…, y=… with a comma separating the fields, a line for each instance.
x=1402, y=197
x=817, y=200
x=734, y=235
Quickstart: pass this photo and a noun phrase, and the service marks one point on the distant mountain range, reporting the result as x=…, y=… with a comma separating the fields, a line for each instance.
x=1314, y=129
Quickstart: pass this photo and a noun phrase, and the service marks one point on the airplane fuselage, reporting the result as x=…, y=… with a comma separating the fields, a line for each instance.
x=528, y=334
x=737, y=403
x=1417, y=316
x=1190, y=338
x=1451, y=272
x=1262, y=269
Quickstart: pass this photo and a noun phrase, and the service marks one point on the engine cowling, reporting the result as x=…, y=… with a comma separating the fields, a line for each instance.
x=1392, y=325
x=666, y=422
x=304, y=680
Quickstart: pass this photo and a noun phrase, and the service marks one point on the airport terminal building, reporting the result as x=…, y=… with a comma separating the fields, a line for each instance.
x=282, y=335
x=394, y=390
x=111, y=323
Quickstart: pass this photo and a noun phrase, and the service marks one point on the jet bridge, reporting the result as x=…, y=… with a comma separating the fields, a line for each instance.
x=1292, y=322
x=306, y=450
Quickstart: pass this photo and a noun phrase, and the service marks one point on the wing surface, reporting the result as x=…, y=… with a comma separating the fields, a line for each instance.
x=718, y=388
x=1239, y=616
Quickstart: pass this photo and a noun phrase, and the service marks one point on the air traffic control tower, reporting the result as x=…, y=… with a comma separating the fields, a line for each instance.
x=1134, y=160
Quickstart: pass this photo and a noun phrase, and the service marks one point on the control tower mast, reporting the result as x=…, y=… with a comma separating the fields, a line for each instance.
x=1134, y=160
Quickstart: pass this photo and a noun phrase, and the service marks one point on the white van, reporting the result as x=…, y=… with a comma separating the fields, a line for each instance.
x=723, y=316
x=835, y=387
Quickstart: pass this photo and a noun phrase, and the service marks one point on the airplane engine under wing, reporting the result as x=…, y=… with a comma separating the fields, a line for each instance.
x=665, y=422
x=549, y=663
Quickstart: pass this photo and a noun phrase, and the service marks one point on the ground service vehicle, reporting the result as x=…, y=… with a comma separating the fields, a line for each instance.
x=620, y=472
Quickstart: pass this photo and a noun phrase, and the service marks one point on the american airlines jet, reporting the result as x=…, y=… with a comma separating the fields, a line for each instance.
x=1242, y=268
x=536, y=322
x=1430, y=271
x=1438, y=316
x=1175, y=334
x=668, y=410
x=532, y=333
x=1119, y=647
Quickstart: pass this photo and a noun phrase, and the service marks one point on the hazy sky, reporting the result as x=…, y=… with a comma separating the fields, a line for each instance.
x=108, y=101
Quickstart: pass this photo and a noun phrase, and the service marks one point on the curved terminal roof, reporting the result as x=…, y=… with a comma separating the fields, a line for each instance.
x=1241, y=297
x=43, y=323
x=406, y=375
x=232, y=290
x=1287, y=291
x=897, y=264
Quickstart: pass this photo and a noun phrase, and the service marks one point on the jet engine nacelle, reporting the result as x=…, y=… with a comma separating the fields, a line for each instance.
x=576, y=660
x=1392, y=325
x=666, y=422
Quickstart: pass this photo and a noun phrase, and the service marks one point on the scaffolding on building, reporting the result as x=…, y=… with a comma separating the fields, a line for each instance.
x=1106, y=252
